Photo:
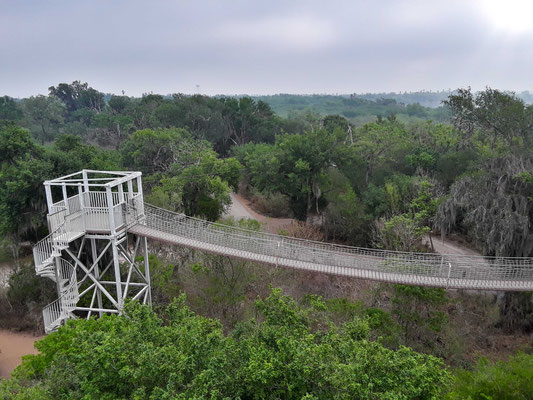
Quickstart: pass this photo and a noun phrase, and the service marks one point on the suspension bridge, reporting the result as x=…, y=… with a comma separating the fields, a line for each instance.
x=97, y=251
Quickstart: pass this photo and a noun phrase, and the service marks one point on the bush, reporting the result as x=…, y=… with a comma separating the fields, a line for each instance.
x=273, y=204
x=303, y=230
x=511, y=380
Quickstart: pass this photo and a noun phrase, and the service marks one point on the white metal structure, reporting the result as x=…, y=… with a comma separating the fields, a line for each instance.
x=88, y=253
x=88, y=216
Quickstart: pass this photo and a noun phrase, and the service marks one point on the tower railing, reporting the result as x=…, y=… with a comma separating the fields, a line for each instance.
x=59, y=310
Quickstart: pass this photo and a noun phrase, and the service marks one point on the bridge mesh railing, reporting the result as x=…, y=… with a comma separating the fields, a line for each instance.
x=332, y=257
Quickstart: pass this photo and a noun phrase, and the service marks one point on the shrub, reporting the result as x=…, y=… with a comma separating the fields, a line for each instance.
x=510, y=380
x=303, y=230
x=272, y=204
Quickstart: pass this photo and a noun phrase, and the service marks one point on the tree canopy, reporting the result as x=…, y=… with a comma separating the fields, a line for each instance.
x=182, y=356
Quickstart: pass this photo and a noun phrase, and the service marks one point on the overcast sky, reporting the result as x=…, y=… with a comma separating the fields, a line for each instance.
x=265, y=47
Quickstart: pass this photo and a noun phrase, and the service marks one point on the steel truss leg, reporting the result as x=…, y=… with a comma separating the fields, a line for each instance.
x=111, y=275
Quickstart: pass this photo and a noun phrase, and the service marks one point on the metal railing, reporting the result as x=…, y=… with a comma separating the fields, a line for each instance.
x=67, y=221
x=59, y=310
x=451, y=271
x=49, y=246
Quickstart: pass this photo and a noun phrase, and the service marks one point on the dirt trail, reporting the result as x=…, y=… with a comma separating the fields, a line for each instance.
x=14, y=345
x=449, y=246
x=240, y=208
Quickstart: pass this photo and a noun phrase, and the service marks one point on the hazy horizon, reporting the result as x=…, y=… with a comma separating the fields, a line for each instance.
x=237, y=48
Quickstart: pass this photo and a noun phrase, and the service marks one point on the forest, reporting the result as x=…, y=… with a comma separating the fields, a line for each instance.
x=378, y=171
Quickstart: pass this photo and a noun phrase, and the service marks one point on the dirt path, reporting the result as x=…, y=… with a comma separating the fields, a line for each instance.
x=237, y=209
x=449, y=246
x=13, y=346
x=240, y=208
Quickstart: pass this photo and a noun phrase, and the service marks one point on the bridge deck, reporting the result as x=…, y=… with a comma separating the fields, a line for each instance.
x=373, y=268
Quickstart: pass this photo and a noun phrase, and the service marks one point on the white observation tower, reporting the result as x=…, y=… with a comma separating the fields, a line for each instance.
x=89, y=254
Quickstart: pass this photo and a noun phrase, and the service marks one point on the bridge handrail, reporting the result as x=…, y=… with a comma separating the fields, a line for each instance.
x=333, y=245
x=341, y=256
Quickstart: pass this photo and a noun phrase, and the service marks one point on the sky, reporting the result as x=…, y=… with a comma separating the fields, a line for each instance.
x=265, y=47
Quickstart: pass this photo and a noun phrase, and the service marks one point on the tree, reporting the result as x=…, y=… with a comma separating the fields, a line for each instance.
x=119, y=104
x=78, y=95
x=22, y=170
x=112, y=129
x=143, y=111
x=200, y=189
x=376, y=143
x=297, y=165
x=157, y=151
x=45, y=115
x=187, y=174
x=495, y=206
x=15, y=143
x=69, y=154
x=421, y=313
x=9, y=109
x=181, y=355
x=246, y=120
x=403, y=231
x=497, y=117
x=344, y=216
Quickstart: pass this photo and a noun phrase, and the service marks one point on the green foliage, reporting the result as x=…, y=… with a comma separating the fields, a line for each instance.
x=360, y=107
x=77, y=96
x=244, y=223
x=186, y=356
x=494, y=206
x=421, y=314
x=163, y=279
x=404, y=232
x=24, y=287
x=153, y=151
x=273, y=204
x=189, y=175
x=295, y=166
x=9, y=109
x=503, y=380
x=44, y=117
x=345, y=216
x=379, y=142
x=15, y=143
x=22, y=171
x=501, y=121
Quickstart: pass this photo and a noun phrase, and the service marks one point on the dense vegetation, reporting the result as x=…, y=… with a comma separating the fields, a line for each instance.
x=291, y=353
x=384, y=176
x=360, y=109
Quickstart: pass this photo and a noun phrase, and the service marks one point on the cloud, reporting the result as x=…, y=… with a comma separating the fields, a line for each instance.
x=295, y=33
x=301, y=46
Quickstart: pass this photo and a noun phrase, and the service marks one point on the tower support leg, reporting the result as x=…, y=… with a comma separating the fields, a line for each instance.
x=97, y=275
x=148, y=295
x=106, y=284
